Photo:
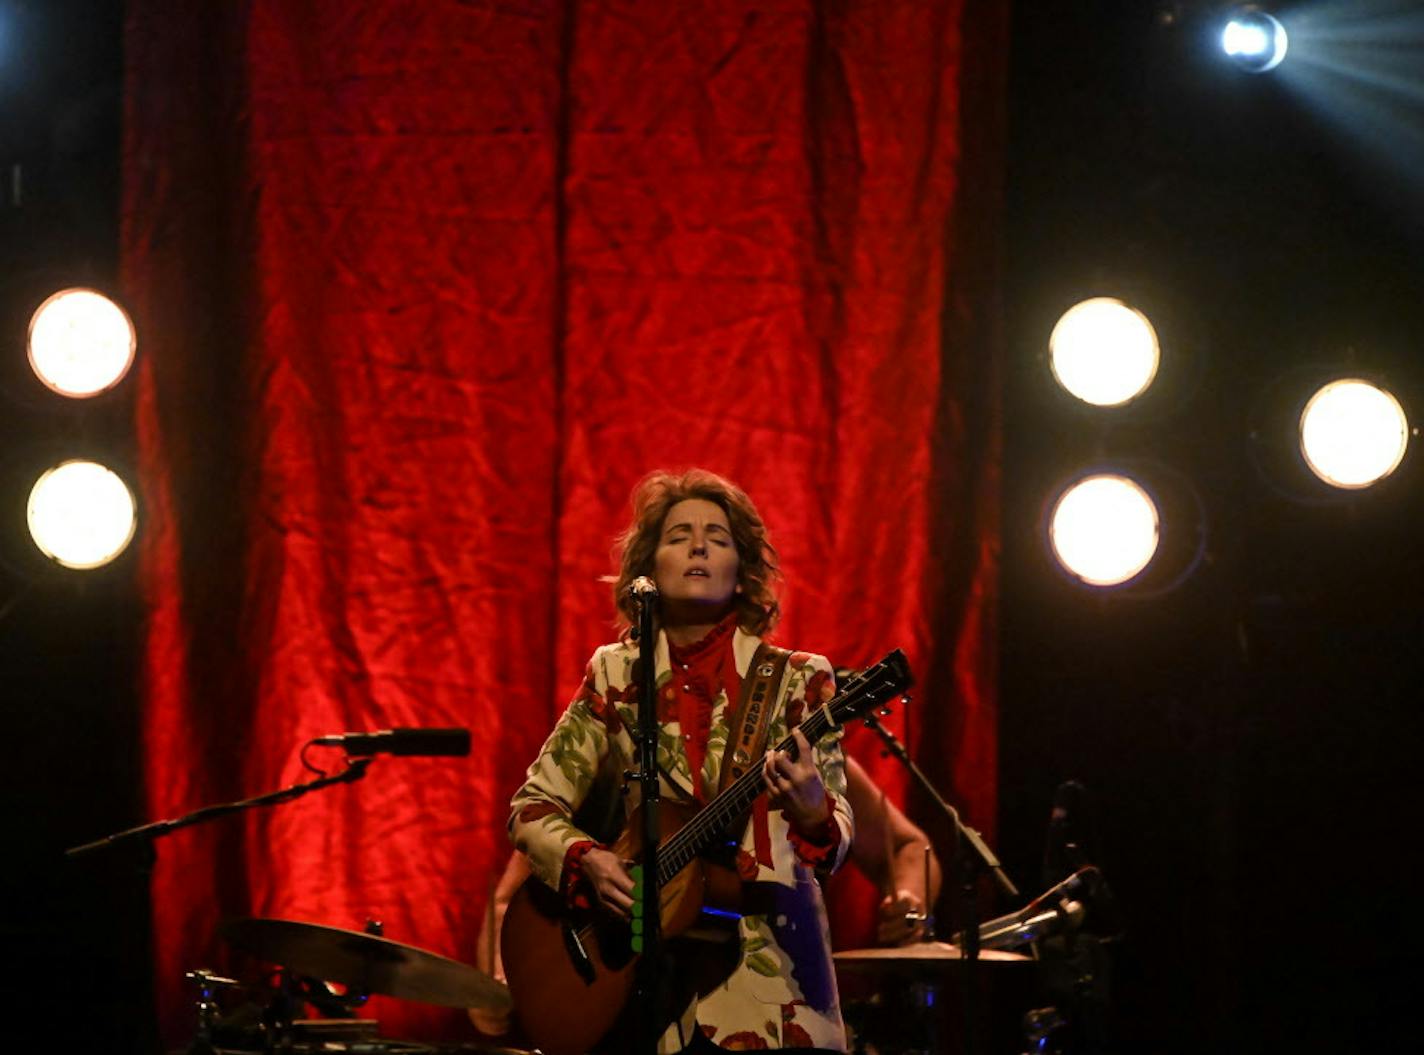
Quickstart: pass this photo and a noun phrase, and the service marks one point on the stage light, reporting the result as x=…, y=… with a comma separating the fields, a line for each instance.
x=1353, y=434
x=1104, y=352
x=1254, y=39
x=1104, y=529
x=81, y=514
x=81, y=342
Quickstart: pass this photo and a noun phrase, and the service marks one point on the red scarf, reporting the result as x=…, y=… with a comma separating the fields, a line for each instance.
x=701, y=671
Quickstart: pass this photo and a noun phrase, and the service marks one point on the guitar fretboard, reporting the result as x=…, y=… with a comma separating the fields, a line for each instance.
x=876, y=685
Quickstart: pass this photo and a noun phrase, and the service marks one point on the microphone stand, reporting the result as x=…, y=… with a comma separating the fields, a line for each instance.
x=146, y=834
x=969, y=870
x=649, y=971
x=355, y=770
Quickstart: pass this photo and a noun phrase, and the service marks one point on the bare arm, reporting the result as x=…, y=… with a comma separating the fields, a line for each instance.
x=890, y=849
x=487, y=951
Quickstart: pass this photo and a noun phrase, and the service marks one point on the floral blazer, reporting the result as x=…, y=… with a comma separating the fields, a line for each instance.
x=783, y=990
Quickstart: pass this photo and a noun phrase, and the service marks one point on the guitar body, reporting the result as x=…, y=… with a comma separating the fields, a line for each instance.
x=571, y=973
x=570, y=1002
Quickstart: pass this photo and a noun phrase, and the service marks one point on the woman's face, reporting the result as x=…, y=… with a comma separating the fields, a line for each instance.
x=696, y=562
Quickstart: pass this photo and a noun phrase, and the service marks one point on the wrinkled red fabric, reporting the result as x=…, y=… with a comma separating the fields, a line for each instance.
x=423, y=289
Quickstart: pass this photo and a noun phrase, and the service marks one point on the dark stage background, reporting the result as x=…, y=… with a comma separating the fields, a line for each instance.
x=340, y=233
x=1251, y=736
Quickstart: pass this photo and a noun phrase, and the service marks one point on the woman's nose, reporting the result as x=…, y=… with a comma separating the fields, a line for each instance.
x=699, y=545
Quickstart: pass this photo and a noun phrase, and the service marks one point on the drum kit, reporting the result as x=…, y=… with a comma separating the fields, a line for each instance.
x=911, y=999
x=311, y=958
x=898, y=1000
x=918, y=998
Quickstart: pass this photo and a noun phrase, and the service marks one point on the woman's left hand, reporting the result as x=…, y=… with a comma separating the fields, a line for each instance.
x=794, y=785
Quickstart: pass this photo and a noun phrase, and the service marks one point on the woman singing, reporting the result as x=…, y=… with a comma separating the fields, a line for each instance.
x=703, y=543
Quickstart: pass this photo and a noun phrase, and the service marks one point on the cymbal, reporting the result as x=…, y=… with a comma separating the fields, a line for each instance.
x=922, y=957
x=368, y=963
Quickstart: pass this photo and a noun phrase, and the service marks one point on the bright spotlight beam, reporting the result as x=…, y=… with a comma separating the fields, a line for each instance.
x=81, y=515
x=1356, y=65
x=1104, y=529
x=1353, y=434
x=1254, y=40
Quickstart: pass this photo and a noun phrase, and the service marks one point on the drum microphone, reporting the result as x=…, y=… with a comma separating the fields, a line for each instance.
x=426, y=742
x=1058, y=910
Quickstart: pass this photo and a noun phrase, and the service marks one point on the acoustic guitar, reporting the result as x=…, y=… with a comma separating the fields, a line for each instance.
x=571, y=972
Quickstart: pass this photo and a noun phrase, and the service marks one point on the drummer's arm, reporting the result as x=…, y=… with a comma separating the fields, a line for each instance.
x=908, y=867
x=890, y=849
x=488, y=958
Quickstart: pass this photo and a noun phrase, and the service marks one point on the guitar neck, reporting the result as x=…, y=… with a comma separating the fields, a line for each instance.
x=714, y=819
x=873, y=686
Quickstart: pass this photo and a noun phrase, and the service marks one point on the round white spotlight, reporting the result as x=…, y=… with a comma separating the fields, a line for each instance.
x=1353, y=434
x=81, y=514
x=1104, y=352
x=1104, y=529
x=81, y=342
x=1254, y=40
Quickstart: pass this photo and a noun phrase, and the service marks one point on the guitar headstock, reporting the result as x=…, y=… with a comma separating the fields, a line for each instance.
x=871, y=687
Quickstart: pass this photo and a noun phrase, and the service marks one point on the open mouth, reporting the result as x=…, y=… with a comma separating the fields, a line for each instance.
x=698, y=572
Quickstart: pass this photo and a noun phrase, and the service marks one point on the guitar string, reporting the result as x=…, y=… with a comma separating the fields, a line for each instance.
x=726, y=807
x=684, y=844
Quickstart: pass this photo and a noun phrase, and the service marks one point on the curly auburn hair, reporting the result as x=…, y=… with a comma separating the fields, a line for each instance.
x=757, y=572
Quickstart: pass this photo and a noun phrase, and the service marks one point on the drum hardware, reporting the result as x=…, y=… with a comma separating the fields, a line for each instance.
x=272, y=1018
x=1058, y=910
x=206, y=985
x=911, y=991
x=310, y=960
x=1019, y=929
x=930, y=960
x=1039, y=1026
x=974, y=858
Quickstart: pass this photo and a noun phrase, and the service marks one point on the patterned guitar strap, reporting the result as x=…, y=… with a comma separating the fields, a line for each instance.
x=746, y=732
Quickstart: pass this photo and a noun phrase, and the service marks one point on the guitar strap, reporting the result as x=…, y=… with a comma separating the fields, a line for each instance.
x=746, y=732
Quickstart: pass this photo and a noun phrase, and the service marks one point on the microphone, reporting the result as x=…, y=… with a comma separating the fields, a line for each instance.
x=642, y=588
x=1082, y=885
x=1024, y=927
x=1058, y=910
x=425, y=742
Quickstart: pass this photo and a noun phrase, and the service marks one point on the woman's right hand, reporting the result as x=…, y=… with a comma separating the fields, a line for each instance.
x=612, y=886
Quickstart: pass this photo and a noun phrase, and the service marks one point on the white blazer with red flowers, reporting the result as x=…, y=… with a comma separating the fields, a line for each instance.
x=783, y=991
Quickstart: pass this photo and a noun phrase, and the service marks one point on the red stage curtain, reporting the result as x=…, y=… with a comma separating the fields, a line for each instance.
x=424, y=289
